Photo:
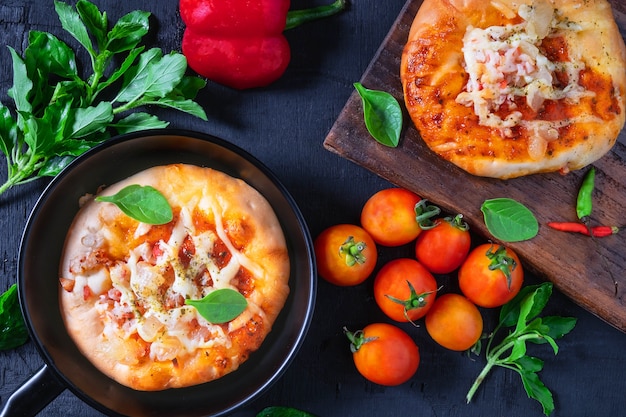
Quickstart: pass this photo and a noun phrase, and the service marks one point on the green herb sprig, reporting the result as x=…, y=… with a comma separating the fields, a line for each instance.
x=143, y=203
x=522, y=313
x=13, y=331
x=382, y=114
x=58, y=115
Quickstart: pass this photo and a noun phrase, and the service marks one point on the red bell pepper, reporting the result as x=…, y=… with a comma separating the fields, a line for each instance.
x=240, y=43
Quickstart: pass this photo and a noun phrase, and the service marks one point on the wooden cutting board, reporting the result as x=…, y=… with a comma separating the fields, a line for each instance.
x=572, y=262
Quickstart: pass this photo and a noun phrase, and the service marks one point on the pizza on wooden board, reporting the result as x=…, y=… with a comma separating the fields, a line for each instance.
x=506, y=88
x=124, y=283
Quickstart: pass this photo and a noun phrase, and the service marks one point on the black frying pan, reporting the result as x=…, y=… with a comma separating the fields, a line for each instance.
x=42, y=242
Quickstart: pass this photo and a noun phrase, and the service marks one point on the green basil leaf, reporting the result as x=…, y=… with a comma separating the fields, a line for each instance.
x=530, y=363
x=91, y=120
x=156, y=76
x=382, y=114
x=8, y=131
x=48, y=54
x=509, y=313
x=138, y=121
x=220, y=306
x=143, y=203
x=188, y=87
x=558, y=326
x=13, y=331
x=72, y=23
x=509, y=220
x=537, y=390
x=128, y=31
x=96, y=22
x=283, y=412
x=54, y=165
x=135, y=77
x=22, y=85
x=187, y=106
x=117, y=73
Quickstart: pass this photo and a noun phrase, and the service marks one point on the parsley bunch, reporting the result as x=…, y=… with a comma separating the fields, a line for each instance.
x=58, y=115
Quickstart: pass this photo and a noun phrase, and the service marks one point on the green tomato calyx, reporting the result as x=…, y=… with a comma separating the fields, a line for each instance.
x=501, y=261
x=424, y=214
x=357, y=339
x=353, y=251
x=414, y=301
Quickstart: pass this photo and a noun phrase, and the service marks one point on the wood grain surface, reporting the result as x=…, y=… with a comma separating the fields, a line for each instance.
x=582, y=268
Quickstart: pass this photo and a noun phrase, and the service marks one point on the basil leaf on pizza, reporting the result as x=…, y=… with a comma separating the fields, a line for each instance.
x=220, y=306
x=158, y=306
x=143, y=203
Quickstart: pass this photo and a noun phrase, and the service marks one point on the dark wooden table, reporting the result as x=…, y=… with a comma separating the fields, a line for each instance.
x=284, y=125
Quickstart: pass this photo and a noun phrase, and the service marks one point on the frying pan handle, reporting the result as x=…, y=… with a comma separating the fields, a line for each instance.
x=34, y=395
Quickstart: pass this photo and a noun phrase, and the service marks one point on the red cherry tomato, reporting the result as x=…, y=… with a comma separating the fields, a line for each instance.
x=384, y=354
x=454, y=322
x=404, y=290
x=444, y=247
x=389, y=217
x=491, y=275
x=345, y=254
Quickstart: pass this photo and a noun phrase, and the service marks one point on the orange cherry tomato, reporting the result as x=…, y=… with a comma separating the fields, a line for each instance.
x=384, y=354
x=491, y=275
x=404, y=290
x=444, y=247
x=389, y=217
x=454, y=322
x=345, y=254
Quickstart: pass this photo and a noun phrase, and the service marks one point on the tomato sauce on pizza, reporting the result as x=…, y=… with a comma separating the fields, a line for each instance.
x=504, y=89
x=124, y=283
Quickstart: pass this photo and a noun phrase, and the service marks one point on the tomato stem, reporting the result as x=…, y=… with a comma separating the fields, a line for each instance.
x=353, y=251
x=424, y=213
x=357, y=339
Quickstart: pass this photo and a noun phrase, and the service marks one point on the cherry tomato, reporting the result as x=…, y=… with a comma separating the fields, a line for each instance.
x=345, y=254
x=444, y=247
x=491, y=275
x=384, y=354
x=389, y=217
x=454, y=322
x=404, y=290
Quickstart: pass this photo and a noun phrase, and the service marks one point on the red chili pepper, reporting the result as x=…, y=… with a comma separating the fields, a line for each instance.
x=241, y=43
x=598, y=231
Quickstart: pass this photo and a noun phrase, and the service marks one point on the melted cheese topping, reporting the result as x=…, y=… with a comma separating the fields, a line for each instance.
x=506, y=62
x=136, y=302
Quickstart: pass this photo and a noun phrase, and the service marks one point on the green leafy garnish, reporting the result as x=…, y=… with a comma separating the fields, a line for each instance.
x=220, y=306
x=276, y=411
x=143, y=203
x=58, y=115
x=509, y=220
x=382, y=114
x=13, y=331
x=523, y=313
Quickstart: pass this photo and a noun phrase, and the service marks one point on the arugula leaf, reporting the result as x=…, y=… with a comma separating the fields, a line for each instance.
x=523, y=313
x=220, y=306
x=143, y=203
x=13, y=331
x=58, y=115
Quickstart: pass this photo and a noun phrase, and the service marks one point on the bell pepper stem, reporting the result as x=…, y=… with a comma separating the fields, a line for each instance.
x=298, y=17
